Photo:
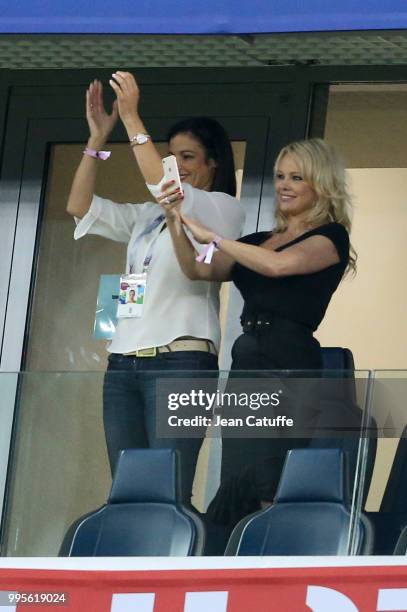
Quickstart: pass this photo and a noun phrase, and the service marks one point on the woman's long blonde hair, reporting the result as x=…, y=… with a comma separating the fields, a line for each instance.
x=324, y=171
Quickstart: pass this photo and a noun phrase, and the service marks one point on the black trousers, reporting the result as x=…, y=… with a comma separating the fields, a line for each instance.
x=251, y=467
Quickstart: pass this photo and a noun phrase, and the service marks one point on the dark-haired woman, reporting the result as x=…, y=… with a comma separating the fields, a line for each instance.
x=179, y=326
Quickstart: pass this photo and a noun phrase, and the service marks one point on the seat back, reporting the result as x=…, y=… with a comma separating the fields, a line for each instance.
x=310, y=514
x=401, y=544
x=395, y=494
x=337, y=358
x=143, y=515
x=339, y=410
x=338, y=363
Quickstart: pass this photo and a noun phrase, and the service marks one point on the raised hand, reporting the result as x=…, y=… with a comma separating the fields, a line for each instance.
x=128, y=94
x=99, y=121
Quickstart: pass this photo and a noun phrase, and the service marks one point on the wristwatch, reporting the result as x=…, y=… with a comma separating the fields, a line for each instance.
x=139, y=139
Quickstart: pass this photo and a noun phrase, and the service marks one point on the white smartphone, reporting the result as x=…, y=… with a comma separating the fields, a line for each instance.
x=171, y=170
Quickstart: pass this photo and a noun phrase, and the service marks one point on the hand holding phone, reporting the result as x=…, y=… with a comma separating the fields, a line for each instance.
x=171, y=173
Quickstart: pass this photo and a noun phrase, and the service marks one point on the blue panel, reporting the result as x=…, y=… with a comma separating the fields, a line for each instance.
x=106, y=307
x=199, y=16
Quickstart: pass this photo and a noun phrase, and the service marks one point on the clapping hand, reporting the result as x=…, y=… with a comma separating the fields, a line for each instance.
x=128, y=94
x=99, y=121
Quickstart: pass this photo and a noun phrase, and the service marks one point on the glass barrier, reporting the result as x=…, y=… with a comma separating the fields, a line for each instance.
x=383, y=463
x=232, y=430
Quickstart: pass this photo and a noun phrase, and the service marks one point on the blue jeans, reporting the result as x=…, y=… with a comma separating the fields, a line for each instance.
x=129, y=405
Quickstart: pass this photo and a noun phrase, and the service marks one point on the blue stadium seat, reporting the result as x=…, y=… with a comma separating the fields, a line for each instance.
x=392, y=518
x=337, y=358
x=337, y=362
x=143, y=515
x=310, y=514
x=340, y=412
x=395, y=496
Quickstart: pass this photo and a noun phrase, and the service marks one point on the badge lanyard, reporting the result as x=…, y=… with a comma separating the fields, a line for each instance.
x=133, y=285
x=133, y=248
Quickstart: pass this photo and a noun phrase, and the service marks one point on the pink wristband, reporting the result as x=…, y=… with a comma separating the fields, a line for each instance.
x=207, y=253
x=97, y=154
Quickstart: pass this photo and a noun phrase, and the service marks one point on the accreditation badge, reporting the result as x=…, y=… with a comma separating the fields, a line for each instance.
x=131, y=295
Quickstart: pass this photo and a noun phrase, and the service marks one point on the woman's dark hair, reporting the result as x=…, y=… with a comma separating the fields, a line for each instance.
x=214, y=139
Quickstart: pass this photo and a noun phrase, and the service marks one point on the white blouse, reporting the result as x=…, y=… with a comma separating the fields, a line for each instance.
x=174, y=306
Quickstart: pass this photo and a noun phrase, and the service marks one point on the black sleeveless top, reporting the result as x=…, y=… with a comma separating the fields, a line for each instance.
x=302, y=298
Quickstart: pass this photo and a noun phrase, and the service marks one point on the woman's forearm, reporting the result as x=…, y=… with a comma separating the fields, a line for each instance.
x=147, y=156
x=186, y=253
x=83, y=185
x=307, y=257
x=220, y=268
x=100, y=125
x=255, y=258
x=128, y=96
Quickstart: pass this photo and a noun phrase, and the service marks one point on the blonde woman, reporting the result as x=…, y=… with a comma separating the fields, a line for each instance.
x=287, y=277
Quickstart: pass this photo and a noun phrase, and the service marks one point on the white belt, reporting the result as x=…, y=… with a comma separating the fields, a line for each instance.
x=206, y=346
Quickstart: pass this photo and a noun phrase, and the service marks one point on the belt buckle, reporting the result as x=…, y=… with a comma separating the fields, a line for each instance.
x=147, y=352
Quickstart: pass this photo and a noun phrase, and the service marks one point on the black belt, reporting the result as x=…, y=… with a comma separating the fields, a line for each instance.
x=263, y=321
